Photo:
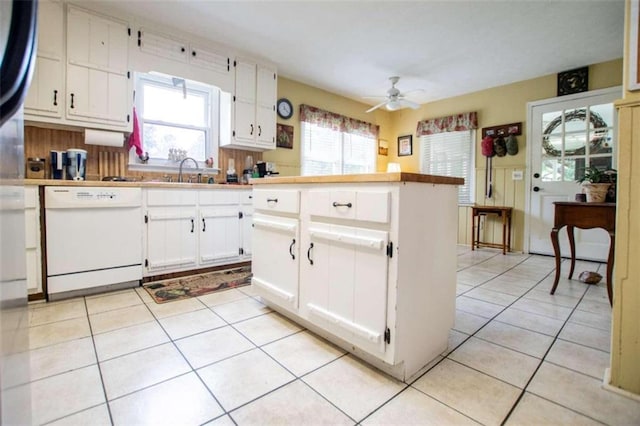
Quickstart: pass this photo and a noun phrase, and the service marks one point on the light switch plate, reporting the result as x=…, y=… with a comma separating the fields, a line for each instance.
x=516, y=175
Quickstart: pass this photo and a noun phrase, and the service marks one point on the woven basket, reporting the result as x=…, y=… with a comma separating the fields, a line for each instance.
x=596, y=192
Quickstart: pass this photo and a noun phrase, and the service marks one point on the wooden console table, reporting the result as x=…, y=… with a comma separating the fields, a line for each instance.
x=501, y=211
x=583, y=216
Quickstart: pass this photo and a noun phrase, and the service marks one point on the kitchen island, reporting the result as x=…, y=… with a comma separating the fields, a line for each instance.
x=366, y=261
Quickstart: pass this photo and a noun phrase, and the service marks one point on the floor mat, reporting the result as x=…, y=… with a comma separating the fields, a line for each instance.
x=198, y=285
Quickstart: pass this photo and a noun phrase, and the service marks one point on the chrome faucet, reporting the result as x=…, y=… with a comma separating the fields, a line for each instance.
x=181, y=163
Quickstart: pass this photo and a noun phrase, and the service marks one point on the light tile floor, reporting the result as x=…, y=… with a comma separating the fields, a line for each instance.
x=517, y=355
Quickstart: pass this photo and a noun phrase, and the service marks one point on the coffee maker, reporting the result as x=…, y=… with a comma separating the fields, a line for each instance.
x=58, y=164
x=76, y=164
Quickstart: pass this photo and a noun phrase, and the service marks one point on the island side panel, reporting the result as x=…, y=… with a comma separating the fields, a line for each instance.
x=426, y=293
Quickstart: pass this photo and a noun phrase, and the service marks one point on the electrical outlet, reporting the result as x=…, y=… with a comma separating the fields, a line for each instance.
x=517, y=175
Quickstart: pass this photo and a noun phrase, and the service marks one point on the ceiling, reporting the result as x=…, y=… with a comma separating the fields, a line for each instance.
x=446, y=48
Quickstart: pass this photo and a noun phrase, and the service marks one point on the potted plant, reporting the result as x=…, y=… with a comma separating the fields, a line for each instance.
x=596, y=183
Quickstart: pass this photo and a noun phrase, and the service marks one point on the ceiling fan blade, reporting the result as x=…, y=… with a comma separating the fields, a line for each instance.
x=409, y=104
x=376, y=107
x=374, y=97
x=411, y=91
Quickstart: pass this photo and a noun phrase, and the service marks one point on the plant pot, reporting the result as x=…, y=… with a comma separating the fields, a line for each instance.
x=596, y=192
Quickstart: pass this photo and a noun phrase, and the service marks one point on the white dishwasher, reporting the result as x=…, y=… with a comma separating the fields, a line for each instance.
x=94, y=239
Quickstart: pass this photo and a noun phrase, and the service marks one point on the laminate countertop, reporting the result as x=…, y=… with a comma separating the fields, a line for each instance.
x=361, y=178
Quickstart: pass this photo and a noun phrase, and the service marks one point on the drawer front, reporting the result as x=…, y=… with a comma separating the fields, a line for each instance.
x=370, y=206
x=246, y=197
x=218, y=197
x=277, y=200
x=171, y=197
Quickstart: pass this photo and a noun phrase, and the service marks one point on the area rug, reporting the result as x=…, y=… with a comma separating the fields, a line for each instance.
x=198, y=285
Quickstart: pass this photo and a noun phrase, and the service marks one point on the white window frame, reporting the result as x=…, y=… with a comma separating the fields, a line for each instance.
x=211, y=131
x=303, y=172
x=469, y=180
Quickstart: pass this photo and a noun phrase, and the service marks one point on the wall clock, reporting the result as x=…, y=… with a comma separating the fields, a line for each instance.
x=573, y=81
x=284, y=108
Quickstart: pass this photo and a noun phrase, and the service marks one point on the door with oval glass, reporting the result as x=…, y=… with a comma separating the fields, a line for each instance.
x=568, y=134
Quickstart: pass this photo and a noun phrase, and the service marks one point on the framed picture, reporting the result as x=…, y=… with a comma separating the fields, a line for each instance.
x=284, y=136
x=405, y=145
x=634, y=46
x=383, y=147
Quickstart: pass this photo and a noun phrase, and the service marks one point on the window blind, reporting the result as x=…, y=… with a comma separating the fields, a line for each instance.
x=450, y=154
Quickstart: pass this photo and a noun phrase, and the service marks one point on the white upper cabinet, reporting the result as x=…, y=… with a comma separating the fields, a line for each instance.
x=98, y=88
x=253, y=107
x=45, y=96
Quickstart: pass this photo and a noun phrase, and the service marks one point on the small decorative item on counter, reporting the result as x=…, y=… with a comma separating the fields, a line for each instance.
x=581, y=198
x=209, y=162
x=512, y=145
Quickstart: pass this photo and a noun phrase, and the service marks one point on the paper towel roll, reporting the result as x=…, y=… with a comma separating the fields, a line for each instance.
x=101, y=137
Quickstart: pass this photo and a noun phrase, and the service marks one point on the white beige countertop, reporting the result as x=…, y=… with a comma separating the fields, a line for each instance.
x=359, y=178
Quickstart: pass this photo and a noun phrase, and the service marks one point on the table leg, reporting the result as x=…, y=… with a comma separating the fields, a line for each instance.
x=556, y=252
x=572, y=245
x=473, y=231
x=612, y=245
x=509, y=233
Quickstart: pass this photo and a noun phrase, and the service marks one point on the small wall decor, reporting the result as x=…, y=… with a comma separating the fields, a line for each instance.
x=383, y=147
x=284, y=136
x=573, y=81
x=405, y=145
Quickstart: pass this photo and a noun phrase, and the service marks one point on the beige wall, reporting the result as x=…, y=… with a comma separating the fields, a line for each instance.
x=625, y=335
x=495, y=106
x=288, y=160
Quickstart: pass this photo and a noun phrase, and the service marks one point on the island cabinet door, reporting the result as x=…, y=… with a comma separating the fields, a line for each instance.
x=275, y=260
x=344, y=276
x=219, y=231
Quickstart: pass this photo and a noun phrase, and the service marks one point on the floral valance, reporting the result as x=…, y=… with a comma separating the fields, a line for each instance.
x=337, y=122
x=452, y=123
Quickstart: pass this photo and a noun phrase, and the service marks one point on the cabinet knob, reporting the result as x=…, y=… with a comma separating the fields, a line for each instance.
x=193, y=53
x=536, y=188
x=182, y=49
x=251, y=133
x=259, y=130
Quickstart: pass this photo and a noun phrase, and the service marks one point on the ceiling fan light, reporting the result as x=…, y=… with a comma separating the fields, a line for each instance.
x=393, y=105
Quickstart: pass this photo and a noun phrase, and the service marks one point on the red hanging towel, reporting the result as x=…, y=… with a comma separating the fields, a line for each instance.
x=134, y=138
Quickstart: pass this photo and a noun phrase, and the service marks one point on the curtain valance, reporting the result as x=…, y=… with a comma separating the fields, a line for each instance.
x=337, y=122
x=452, y=123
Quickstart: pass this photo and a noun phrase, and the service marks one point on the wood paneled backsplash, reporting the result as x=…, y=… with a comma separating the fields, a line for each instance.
x=38, y=142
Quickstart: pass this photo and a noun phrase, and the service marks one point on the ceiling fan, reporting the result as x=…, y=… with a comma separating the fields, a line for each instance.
x=395, y=99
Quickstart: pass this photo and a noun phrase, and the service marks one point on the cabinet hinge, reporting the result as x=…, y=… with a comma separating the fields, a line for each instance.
x=240, y=215
x=146, y=263
x=235, y=64
x=129, y=31
x=390, y=249
x=228, y=67
x=128, y=117
x=387, y=336
x=234, y=98
x=274, y=75
x=128, y=74
x=139, y=38
x=146, y=218
x=234, y=133
x=241, y=251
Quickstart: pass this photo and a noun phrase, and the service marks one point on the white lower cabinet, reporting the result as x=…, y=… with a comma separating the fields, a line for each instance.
x=345, y=272
x=276, y=255
x=370, y=266
x=171, y=232
x=219, y=226
x=32, y=239
x=187, y=229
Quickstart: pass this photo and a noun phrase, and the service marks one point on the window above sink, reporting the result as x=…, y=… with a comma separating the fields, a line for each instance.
x=177, y=118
